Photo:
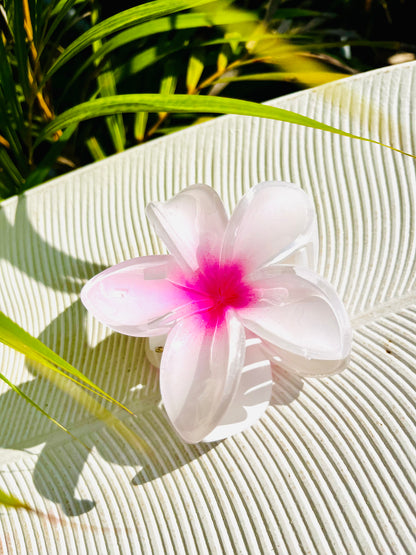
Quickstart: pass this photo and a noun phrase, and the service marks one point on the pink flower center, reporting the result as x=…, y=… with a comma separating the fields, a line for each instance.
x=215, y=288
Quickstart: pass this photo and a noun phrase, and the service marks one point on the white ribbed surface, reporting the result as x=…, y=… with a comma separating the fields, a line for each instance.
x=331, y=467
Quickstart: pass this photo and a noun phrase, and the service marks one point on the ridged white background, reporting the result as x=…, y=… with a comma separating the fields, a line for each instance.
x=331, y=466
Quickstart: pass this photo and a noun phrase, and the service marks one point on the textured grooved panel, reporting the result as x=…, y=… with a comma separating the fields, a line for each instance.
x=331, y=466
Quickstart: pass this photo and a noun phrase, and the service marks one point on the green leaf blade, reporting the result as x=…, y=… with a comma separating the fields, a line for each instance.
x=12, y=335
x=120, y=21
x=21, y=48
x=9, y=88
x=31, y=402
x=162, y=25
x=12, y=502
x=180, y=103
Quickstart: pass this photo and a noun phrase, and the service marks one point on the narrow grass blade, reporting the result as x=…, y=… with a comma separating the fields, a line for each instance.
x=6, y=186
x=10, y=169
x=95, y=148
x=12, y=335
x=59, y=11
x=168, y=82
x=194, y=71
x=22, y=394
x=120, y=21
x=11, y=137
x=58, y=25
x=21, y=47
x=42, y=171
x=149, y=57
x=59, y=6
x=140, y=124
x=9, y=89
x=12, y=502
x=107, y=87
x=115, y=124
x=188, y=104
x=163, y=25
x=298, y=77
x=93, y=407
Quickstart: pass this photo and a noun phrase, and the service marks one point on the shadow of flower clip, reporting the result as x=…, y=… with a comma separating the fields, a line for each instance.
x=233, y=295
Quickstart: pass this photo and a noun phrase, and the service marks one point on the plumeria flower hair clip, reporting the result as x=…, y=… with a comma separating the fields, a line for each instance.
x=233, y=296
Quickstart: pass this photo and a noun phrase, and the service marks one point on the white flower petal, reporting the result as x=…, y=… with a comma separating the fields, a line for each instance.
x=270, y=222
x=129, y=296
x=304, y=367
x=301, y=314
x=199, y=374
x=191, y=224
x=306, y=254
x=252, y=396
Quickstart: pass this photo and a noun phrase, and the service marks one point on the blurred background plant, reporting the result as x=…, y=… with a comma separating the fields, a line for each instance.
x=56, y=55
